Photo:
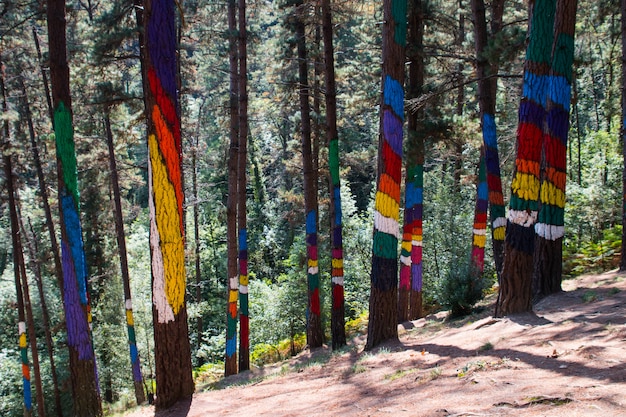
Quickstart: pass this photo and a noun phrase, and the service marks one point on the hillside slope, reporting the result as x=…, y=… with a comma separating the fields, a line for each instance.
x=566, y=359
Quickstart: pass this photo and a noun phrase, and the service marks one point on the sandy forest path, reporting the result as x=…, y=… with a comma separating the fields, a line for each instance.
x=568, y=358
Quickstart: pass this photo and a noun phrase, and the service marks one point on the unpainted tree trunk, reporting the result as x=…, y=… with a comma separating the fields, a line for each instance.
x=622, y=264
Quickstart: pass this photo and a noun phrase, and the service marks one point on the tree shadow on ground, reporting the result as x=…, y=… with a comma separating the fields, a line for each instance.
x=180, y=409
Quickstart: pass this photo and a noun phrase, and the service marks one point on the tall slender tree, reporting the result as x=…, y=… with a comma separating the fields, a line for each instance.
x=172, y=351
x=622, y=265
x=121, y=248
x=479, y=232
x=486, y=72
x=337, y=318
x=550, y=226
x=242, y=212
x=83, y=371
x=383, y=306
x=414, y=186
x=15, y=238
x=515, y=287
x=315, y=336
x=230, y=361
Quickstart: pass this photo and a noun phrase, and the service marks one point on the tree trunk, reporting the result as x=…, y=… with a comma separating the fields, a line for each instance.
x=17, y=265
x=315, y=336
x=415, y=154
x=196, y=226
x=479, y=233
x=486, y=73
x=44, y=77
x=83, y=370
x=515, y=286
x=244, y=323
x=383, y=306
x=337, y=318
x=121, y=247
x=622, y=264
x=45, y=315
x=172, y=352
x=550, y=226
x=230, y=362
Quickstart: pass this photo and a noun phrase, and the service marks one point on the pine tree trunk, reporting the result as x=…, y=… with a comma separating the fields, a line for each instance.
x=172, y=352
x=479, y=233
x=196, y=228
x=230, y=361
x=383, y=306
x=83, y=371
x=33, y=250
x=44, y=77
x=17, y=265
x=121, y=247
x=244, y=323
x=415, y=153
x=337, y=318
x=315, y=336
x=550, y=226
x=515, y=286
x=487, y=87
x=622, y=264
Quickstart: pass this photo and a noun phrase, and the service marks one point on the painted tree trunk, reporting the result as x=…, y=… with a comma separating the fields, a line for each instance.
x=383, y=305
x=230, y=361
x=414, y=187
x=315, y=336
x=479, y=232
x=121, y=248
x=487, y=87
x=85, y=390
x=242, y=212
x=515, y=286
x=550, y=226
x=337, y=318
x=172, y=351
x=622, y=264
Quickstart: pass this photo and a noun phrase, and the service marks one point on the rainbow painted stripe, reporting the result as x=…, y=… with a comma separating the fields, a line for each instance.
x=312, y=263
x=494, y=179
x=387, y=203
x=244, y=315
x=23, y=345
x=167, y=233
x=479, y=233
x=411, y=248
x=77, y=308
x=524, y=204
x=337, y=232
x=132, y=341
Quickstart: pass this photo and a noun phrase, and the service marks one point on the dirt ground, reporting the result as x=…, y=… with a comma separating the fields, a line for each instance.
x=568, y=358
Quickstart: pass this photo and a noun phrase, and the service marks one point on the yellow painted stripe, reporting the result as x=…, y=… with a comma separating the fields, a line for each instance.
x=498, y=233
x=168, y=225
x=479, y=241
x=387, y=206
x=552, y=195
x=232, y=296
x=337, y=263
x=525, y=186
x=243, y=280
x=129, y=318
x=22, y=340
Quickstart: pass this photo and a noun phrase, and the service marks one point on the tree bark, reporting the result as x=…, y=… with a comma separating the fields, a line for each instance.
x=172, y=352
x=383, y=305
x=622, y=265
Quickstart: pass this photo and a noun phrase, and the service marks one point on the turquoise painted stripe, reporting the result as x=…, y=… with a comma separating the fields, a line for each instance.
x=74, y=235
x=489, y=131
x=559, y=91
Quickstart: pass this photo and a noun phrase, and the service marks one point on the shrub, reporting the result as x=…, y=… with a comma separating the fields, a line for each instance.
x=461, y=288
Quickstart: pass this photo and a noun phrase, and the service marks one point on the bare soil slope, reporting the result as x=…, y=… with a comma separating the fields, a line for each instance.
x=566, y=359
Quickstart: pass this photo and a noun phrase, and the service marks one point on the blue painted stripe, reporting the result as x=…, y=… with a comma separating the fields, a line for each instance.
x=559, y=91
x=489, y=131
x=133, y=353
x=28, y=401
x=392, y=130
x=337, y=205
x=393, y=94
x=311, y=222
x=231, y=346
x=75, y=240
x=243, y=239
x=483, y=191
x=414, y=195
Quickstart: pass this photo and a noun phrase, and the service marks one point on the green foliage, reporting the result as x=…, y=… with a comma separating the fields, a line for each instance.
x=461, y=288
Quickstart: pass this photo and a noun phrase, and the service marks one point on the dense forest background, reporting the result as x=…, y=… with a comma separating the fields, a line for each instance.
x=106, y=83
